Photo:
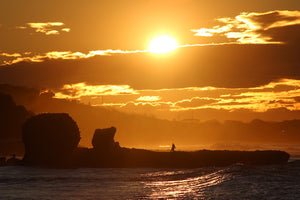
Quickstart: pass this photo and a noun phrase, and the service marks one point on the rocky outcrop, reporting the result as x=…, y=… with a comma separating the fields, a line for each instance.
x=103, y=140
x=50, y=139
x=12, y=117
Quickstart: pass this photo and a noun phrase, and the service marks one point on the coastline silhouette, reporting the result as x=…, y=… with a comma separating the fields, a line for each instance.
x=141, y=130
x=51, y=140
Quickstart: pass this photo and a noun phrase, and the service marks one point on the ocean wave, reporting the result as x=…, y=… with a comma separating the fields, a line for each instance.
x=232, y=182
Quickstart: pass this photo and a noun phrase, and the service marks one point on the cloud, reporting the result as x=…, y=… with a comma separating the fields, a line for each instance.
x=10, y=55
x=68, y=55
x=66, y=29
x=145, y=107
x=21, y=27
x=76, y=91
x=148, y=98
x=195, y=102
x=52, y=32
x=255, y=28
x=281, y=94
x=227, y=66
x=65, y=55
x=47, y=28
x=220, y=103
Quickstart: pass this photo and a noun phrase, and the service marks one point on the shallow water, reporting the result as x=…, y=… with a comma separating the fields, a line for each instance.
x=233, y=182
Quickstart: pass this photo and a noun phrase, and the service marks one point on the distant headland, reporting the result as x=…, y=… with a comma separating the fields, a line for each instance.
x=51, y=140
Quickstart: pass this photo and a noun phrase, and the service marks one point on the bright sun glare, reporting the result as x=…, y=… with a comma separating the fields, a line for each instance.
x=162, y=44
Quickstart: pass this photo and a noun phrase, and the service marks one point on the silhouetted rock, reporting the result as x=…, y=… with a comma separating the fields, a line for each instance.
x=2, y=161
x=13, y=160
x=103, y=140
x=50, y=139
x=108, y=153
x=12, y=118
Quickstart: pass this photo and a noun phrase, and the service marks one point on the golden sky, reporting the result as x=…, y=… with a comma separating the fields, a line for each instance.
x=235, y=59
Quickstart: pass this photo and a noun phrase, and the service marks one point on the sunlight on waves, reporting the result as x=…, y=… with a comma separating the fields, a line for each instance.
x=193, y=187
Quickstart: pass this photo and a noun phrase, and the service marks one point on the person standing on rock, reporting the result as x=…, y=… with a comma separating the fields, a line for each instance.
x=173, y=147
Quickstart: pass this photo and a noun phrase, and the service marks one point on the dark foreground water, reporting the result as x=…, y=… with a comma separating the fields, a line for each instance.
x=233, y=182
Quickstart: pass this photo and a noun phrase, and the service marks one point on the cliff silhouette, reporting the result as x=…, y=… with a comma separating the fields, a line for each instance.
x=12, y=117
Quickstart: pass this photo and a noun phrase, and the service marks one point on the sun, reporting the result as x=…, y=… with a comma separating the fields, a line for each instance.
x=162, y=44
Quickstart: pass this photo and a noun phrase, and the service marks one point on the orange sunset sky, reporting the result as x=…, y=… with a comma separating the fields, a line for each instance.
x=230, y=59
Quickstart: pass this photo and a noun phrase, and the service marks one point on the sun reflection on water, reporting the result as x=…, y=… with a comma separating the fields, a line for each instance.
x=189, y=187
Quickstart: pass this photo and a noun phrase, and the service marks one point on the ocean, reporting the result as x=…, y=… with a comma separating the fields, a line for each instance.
x=232, y=182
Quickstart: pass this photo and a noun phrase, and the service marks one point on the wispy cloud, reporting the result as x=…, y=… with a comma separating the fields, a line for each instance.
x=69, y=55
x=66, y=29
x=47, y=28
x=10, y=55
x=195, y=102
x=76, y=91
x=284, y=93
x=246, y=28
x=142, y=107
x=65, y=55
x=148, y=98
x=252, y=27
x=280, y=94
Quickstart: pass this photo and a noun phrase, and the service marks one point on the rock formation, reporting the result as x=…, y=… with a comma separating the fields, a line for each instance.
x=50, y=139
x=103, y=140
x=12, y=117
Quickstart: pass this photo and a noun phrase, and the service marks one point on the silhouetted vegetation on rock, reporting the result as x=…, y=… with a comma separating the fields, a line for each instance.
x=50, y=139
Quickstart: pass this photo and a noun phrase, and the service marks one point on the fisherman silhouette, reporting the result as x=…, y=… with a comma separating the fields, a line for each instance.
x=173, y=147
